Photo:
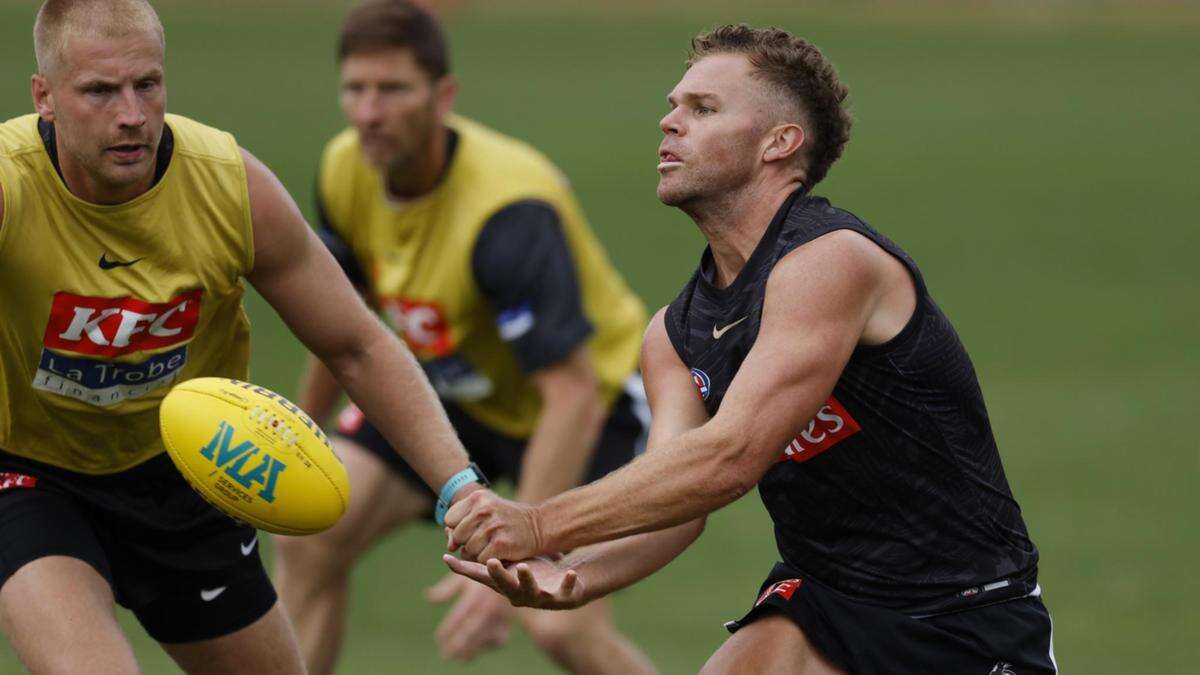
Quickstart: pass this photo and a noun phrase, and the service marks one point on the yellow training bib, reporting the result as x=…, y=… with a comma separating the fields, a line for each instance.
x=104, y=307
x=417, y=255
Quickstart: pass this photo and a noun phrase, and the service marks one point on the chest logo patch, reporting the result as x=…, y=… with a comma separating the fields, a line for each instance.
x=718, y=332
x=702, y=382
x=85, y=336
x=422, y=324
x=832, y=425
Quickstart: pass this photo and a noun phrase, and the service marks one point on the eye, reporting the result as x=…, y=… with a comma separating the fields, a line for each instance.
x=146, y=85
x=704, y=110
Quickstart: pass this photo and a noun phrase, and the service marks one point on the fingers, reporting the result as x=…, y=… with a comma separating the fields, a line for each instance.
x=504, y=581
x=568, y=584
x=475, y=511
x=525, y=577
x=444, y=590
x=471, y=570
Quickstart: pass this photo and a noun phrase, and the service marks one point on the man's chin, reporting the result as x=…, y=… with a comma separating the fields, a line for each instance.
x=671, y=195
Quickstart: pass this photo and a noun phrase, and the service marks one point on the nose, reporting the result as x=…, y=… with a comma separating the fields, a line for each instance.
x=368, y=111
x=672, y=123
x=131, y=114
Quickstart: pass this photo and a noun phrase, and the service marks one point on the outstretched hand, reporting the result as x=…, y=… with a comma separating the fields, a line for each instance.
x=539, y=582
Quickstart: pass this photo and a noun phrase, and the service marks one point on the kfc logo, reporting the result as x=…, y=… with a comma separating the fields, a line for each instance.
x=84, y=335
x=422, y=324
x=832, y=425
x=109, y=327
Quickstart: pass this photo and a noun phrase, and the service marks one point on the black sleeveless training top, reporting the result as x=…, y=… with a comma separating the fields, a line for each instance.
x=894, y=493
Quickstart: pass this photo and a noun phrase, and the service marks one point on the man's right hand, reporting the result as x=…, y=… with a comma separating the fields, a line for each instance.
x=539, y=582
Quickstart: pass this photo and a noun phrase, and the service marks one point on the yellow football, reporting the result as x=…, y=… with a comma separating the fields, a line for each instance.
x=253, y=454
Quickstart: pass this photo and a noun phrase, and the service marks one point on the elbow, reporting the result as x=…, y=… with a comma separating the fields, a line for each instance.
x=349, y=360
x=733, y=470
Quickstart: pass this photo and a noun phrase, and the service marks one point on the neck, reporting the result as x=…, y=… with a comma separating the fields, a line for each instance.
x=420, y=176
x=734, y=223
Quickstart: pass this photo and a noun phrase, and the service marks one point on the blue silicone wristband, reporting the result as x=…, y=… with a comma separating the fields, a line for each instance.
x=452, y=486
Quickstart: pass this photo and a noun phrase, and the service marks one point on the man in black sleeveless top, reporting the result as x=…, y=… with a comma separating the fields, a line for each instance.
x=828, y=377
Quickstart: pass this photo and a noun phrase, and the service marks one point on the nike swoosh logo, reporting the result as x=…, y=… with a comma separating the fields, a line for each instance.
x=718, y=332
x=247, y=549
x=106, y=264
x=210, y=594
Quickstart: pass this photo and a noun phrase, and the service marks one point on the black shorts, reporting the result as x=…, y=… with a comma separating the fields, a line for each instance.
x=622, y=438
x=187, y=571
x=1008, y=638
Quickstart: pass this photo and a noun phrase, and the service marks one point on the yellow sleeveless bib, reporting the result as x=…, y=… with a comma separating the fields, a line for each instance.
x=104, y=307
x=417, y=255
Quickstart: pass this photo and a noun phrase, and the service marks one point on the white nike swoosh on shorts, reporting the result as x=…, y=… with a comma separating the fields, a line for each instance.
x=210, y=594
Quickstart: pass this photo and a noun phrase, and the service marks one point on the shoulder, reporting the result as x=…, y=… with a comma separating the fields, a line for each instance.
x=341, y=150
x=342, y=167
x=503, y=157
x=200, y=141
x=19, y=135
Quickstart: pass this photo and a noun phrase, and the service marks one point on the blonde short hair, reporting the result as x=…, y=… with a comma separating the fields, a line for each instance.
x=58, y=20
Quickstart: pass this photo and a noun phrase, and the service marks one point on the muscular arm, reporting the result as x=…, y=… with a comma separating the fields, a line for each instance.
x=300, y=279
x=821, y=301
x=610, y=566
x=675, y=410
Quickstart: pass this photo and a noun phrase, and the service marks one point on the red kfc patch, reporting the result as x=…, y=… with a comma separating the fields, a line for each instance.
x=108, y=327
x=422, y=324
x=832, y=425
x=783, y=589
x=16, y=480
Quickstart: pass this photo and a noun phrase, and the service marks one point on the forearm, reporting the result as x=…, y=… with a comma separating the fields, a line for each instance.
x=557, y=454
x=385, y=381
x=682, y=480
x=608, y=567
x=319, y=390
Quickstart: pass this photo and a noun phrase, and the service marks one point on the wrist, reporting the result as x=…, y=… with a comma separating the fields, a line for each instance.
x=453, y=489
x=537, y=525
x=466, y=490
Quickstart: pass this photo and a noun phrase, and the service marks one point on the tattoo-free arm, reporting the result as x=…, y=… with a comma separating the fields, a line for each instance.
x=298, y=276
x=829, y=287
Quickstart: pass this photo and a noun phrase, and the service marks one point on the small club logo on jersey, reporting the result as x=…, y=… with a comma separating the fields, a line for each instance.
x=832, y=425
x=702, y=382
x=783, y=589
x=422, y=324
x=1002, y=668
x=9, y=480
x=234, y=460
x=514, y=322
x=88, y=340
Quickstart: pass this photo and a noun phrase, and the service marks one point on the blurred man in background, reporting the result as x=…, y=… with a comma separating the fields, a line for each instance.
x=473, y=246
x=828, y=377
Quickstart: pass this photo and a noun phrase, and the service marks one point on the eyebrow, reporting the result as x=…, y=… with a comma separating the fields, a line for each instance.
x=694, y=96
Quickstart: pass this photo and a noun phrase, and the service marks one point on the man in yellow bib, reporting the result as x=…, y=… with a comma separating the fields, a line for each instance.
x=124, y=236
x=473, y=246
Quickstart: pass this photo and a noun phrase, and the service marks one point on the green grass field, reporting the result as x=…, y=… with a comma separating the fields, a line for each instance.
x=1039, y=166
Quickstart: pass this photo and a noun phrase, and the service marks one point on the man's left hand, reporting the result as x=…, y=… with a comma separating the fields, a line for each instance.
x=483, y=526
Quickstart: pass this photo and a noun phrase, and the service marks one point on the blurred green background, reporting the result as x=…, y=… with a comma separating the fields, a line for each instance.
x=1037, y=159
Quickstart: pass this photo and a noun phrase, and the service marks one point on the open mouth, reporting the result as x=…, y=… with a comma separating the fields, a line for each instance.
x=129, y=151
x=668, y=160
